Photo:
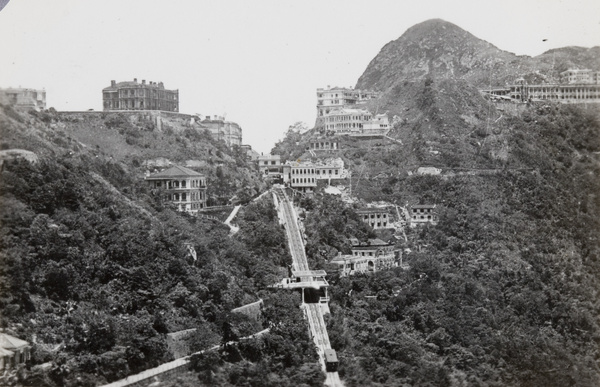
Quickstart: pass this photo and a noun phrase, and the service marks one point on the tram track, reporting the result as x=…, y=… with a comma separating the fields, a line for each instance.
x=313, y=312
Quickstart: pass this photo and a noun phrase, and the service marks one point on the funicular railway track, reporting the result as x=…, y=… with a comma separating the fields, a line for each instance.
x=314, y=313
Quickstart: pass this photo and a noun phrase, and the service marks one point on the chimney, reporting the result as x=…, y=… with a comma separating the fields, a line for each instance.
x=143, y=81
x=113, y=83
x=135, y=80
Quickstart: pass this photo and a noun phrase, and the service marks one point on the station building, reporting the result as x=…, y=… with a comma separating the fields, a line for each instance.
x=371, y=256
x=304, y=175
x=183, y=187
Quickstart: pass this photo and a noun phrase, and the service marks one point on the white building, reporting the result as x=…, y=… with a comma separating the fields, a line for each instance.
x=423, y=214
x=338, y=97
x=371, y=256
x=24, y=98
x=183, y=187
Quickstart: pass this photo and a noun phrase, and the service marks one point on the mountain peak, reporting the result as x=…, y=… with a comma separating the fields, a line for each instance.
x=434, y=48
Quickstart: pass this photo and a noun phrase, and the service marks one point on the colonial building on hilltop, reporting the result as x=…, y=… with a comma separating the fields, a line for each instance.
x=222, y=130
x=371, y=256
x=183, y=187
x=139, y=96
x=338, y=97
x=24, y=98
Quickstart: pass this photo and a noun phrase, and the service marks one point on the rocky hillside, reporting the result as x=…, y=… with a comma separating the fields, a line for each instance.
x=439, y=49
x=134, y=142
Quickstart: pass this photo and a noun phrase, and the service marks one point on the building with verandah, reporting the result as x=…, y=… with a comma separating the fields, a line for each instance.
x=13, y=351
x=375, y=217
x=139, y=96
x=183, y=187
x=371, y=256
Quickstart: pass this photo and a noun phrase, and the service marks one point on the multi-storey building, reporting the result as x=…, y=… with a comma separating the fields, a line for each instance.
x=338, y=97
x=183, y=187
x=270, y=165
x=304, y=175
x=24, y=98
x=222, y=130
x=300, y=175
x=326, y=145
x=355, y=122
x=139, y=96
x=577, y=76
x=371, y=256
x=375, y=217
x=423, y=214
x=330, y=168
x=576, y=86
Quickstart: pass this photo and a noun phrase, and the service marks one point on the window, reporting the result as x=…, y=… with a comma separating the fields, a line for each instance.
x=183, y=184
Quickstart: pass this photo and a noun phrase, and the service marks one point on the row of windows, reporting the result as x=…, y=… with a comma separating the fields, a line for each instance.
x=366, y=217
x=302, y=171
x=181, y=184
x=428, y=210
x=421, y=217
x=183, y=197
x=303, y=180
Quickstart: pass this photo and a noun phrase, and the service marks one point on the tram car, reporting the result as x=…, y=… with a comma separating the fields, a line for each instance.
x=331, y=360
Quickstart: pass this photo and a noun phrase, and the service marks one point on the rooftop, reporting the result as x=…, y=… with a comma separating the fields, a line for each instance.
x=175, y=171
x=9, y=342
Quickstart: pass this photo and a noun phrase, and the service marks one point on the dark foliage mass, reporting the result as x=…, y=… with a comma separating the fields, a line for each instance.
x=503, y=291
x=94, y=271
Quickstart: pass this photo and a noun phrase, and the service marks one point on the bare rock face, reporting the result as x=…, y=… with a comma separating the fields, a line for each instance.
x=438, y=49
x=435, y=49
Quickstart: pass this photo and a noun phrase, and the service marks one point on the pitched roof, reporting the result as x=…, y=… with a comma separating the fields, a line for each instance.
x=175, y=171
x=9, y=342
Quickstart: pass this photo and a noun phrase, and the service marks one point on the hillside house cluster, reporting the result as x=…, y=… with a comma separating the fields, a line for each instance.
x=183, y=187
x=575, y=86
x=371, y=256
x=24, y=98
x=133, y=95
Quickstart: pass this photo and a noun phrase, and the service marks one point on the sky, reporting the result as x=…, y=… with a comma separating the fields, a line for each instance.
x=257, y=62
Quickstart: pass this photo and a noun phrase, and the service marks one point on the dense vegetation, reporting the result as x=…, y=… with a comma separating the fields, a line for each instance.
x=94, y=270
x=503, y=291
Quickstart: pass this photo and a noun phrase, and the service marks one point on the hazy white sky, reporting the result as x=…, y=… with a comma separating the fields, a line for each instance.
x=259, y=62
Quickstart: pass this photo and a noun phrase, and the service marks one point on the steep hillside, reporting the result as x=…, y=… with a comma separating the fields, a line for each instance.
x=438, y=49
x=137, y=144
x=95, y=271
